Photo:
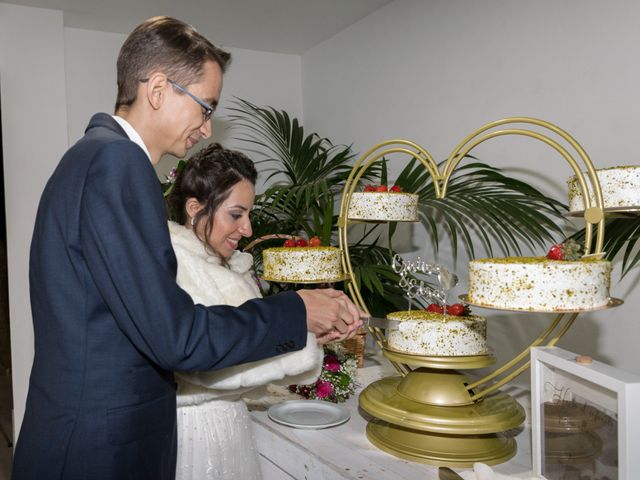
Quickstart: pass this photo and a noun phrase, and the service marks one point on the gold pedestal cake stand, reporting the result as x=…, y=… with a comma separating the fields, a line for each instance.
x=428, y=415
x=432, y=413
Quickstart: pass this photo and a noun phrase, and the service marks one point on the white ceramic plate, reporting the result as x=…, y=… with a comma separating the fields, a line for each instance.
x=309, y=414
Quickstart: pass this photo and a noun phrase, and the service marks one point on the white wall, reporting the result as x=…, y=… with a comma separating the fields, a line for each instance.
x=34, y=132
x=36, y=105
x=434, y=71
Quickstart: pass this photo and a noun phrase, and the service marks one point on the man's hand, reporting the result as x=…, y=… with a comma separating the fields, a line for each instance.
x=331, y=315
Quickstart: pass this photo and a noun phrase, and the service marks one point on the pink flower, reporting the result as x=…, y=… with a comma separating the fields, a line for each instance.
x=331, y=363
x=171, y=176
x=323, y=389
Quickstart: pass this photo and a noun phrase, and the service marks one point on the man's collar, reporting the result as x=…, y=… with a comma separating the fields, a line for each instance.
x=132, y=134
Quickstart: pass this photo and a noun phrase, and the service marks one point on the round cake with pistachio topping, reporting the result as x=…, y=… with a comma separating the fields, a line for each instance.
x=620, y=188
x=302, y=264
x=539, y=283
x=383, y=206
x=419, y=332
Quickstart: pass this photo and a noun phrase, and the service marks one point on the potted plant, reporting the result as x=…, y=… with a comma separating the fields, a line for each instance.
x=306, y=176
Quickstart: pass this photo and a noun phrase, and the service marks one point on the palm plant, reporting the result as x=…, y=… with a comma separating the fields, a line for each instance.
x=486, y=205
x=483, y=206
x=621, y=238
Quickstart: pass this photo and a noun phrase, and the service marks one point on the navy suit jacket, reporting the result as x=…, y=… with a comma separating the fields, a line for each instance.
x=111, y=324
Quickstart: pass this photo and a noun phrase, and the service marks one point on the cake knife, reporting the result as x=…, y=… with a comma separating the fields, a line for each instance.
x=377, y=322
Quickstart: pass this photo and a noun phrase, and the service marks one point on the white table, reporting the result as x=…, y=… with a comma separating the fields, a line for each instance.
x=344, y=452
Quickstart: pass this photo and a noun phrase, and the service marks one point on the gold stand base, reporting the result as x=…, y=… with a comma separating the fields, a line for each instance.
x=438, y=449
x=425, y=417
x=495, y=413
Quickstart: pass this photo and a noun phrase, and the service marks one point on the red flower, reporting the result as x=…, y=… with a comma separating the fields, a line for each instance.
x=331, y=363
x=323, y=389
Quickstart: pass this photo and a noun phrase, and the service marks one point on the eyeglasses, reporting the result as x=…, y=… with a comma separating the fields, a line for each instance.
x=207, y=110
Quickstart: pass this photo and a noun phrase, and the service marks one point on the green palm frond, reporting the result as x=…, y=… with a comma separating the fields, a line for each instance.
x=303, y=160
x=620, y=239
x=377, y=281
x=307, y=171
x=483, y=203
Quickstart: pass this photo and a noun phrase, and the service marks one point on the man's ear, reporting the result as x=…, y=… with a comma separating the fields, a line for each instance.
x=156, y=89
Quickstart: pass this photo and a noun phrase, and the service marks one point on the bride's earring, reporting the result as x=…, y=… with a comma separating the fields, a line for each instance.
x=193, y=221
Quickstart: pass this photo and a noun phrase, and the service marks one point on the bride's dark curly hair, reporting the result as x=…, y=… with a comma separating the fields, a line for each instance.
x=208, y=177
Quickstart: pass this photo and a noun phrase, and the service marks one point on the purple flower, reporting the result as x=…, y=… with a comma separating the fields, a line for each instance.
x=171, y=176
x=323, y=389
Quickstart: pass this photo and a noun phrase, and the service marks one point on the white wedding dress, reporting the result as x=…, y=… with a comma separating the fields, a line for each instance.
x=215, y=438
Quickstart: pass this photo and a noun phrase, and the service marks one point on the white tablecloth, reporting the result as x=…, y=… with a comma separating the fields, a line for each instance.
x=344, y=452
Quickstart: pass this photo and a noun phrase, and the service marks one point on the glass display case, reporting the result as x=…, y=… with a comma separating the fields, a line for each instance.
x=585, y=421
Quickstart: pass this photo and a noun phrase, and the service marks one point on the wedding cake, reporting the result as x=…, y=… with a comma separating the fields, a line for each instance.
x=539, y=283
x=420, y=332
x=302, y=264
x=383, y=205
x=620, y=188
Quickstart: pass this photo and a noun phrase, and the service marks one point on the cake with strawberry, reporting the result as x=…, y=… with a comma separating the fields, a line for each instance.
x=382, y=204
x=563, y=280
x=438, y=332
x=299, y=261
x=620, y=188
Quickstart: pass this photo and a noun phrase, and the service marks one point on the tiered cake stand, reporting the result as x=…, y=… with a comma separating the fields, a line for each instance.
x=431, y=412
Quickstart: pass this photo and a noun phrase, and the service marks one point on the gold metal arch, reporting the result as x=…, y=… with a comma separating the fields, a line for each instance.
x=593, y=215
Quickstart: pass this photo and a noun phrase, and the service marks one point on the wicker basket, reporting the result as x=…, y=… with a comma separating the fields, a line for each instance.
x=355, y=345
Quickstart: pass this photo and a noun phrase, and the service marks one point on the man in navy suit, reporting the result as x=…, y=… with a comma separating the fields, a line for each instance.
x=110, y=323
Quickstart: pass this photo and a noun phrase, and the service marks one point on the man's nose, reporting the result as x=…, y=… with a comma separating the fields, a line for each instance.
x=206, y=128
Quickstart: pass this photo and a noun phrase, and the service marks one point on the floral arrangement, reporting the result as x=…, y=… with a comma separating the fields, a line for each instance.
x=337, y=378
x=170, y=178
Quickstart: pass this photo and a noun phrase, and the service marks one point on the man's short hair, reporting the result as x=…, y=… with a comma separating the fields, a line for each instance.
x=167, y=45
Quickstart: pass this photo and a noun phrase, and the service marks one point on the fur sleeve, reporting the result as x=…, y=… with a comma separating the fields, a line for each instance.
x=302, y=366
x=210, y=283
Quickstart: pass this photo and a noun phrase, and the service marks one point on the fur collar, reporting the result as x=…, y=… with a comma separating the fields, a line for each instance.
x=183, y=237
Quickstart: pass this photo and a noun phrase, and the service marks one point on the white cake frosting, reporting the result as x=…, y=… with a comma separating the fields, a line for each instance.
x=302, y=264
x=538, y=283
x=383, y=206
x=620, y=188
x=419, y=332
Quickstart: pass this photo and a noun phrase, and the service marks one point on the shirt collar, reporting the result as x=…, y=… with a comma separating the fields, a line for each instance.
x=132, y=134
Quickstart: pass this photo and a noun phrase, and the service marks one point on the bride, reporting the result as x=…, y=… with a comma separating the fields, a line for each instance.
x=210, y=203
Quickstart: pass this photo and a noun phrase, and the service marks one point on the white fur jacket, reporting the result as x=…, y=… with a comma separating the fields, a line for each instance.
x=209, y=282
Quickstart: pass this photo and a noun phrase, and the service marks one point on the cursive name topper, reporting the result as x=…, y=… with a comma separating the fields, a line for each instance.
x=415, y=288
